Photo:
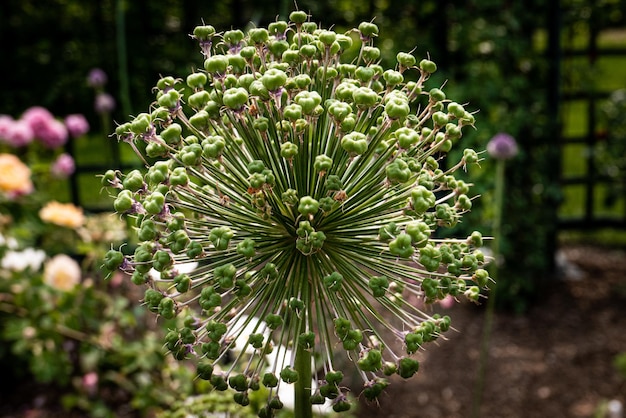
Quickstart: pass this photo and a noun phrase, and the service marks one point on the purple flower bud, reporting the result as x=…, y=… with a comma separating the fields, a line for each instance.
x=76, y=125
x=63, y=167
x=97, y=78
x=104, y=103
x=502, y=146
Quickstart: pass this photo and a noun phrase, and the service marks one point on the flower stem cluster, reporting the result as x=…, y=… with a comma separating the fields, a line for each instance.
x=309, y=189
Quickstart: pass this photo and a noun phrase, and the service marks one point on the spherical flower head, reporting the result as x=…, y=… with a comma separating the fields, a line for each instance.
x=62, y=273
x=104, y=103
x=28, y=259
x=6, y=124
x=309, y=191
x=51, y=132
x=97, y=78
x=63, y=166
x=502, y=146
x=76, y=125
x=38, y=118
x=63, y=214
x=15, y=133
x=15, y=179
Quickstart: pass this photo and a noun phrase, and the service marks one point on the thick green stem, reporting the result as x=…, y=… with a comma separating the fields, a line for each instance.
x=302, y=388
x=489, y=314
x=303, y=407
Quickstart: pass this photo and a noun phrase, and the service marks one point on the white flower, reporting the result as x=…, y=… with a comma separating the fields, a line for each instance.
x=28, y=258
x=62, y=272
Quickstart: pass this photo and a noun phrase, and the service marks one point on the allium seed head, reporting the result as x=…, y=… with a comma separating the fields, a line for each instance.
x=308, y=191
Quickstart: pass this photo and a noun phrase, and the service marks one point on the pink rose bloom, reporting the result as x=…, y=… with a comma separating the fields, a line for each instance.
x=76, y=125
x=63, y=167
x=104, y=103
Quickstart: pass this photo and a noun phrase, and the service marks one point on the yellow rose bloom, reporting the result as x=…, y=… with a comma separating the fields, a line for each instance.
x=61, y=272
x=62, y=214
x=14, y=176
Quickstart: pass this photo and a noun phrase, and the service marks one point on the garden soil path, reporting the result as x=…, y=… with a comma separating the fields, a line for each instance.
x=555, y=361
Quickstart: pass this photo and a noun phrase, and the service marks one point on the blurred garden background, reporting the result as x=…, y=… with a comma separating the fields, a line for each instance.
x=550, y=74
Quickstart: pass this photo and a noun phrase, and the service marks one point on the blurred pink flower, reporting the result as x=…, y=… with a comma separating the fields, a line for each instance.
x=18, y=134
x=63, y=166
x=502, y=146
x=6, y=123
x=55, y=134
x=90, y=382
x=76, y=125
x=96, y=78
x=104, y=103
x=38, y=118
x=51, y=132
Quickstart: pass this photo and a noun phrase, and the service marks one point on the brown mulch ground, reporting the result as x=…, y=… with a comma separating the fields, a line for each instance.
x=555, y=361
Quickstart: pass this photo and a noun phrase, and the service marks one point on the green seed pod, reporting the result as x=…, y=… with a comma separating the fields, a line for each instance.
x=273, y=321
x=354, y=143
x=238, y=382
x=370, y=361
x=216, y=64
x=204, y=32
x=368, y=30
x=308, y=206
x=428, y=66
x=397, y=108
x=407, y=367
x=298, y=17
x=402, y=246
x=235, y=98
x=196, y=80
x=204, y=370
x=273, y=79
x=436, y=95
x=378, y=285
x=124, y=201
x=219, y=382
x=172, y=134
x=289, y=375
x=258, y=35
x=113, y=259
x=333, y=281
x=241, y=398
x=405, y=60
x=213, y=146
x=398, y=171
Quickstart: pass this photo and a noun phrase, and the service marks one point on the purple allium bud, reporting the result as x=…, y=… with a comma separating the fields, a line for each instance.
x=502, y=146
x=104, y=103
x=97, y=78
x=63, y=167
x=76, y=125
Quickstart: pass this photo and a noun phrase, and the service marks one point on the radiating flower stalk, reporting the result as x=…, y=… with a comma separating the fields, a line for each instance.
x=309, y=190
